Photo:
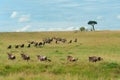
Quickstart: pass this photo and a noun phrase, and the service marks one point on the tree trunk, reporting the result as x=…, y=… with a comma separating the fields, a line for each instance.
x=93, y=27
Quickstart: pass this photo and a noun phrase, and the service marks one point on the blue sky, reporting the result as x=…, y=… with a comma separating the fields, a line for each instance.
x=58, y=15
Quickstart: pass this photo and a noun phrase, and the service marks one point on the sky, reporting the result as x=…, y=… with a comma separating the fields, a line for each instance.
x=58, y=15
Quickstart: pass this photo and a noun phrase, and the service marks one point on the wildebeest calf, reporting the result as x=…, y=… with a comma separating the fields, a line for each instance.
x=11, y=56
x=71, y=59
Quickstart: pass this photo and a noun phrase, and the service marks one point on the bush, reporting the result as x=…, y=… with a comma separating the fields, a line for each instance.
x=82, y=29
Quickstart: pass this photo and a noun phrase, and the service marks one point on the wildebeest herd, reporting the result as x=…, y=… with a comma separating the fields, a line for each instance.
x=42, y=43
x=27, y=57
x=45, y=58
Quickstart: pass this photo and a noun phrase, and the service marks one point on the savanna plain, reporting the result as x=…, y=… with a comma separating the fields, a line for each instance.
x=105, y=44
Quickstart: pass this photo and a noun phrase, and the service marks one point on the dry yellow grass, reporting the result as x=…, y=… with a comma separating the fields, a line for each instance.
x=98, y=43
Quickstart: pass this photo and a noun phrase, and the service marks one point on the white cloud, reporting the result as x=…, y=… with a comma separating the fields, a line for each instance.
x=25, y=28
x=24, y=18
x=55, y=26
x=20, y=18
x=56, y=29
x=71, y=28
x=118, y=16
x=62, y=29
x=14, y=14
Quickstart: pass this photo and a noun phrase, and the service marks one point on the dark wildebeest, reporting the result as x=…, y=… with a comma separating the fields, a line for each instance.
x=48, y=40
x=63, y=40
x=71, y=59
x=28, y=46
x=11, y=56
x=9, y=47
x=56, y=41
x=36, y=44
x=22, y=45
x=70, y=41
x=75, y=40
x=31, y=42
x=43, y=58
x=25, y=57
x=16, y=46
x=40, y=43
x=95, y=59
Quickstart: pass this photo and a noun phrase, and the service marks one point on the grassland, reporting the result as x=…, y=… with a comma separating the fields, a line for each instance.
x=100, y=43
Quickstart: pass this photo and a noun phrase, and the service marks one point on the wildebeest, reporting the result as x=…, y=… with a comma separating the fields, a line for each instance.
x=36, y=44
x=28, y=46
x=31, y=42
x=43, y=58
x=56, y=41
x=75, y=40
x=63, y=40
x=95, y=59
x=16, y=46
x=11, y=56
x=48, y=40
x=22, y=45
x=40, y=43
x=25, y=57
x=9, y=47
x=70, y=41
x=71, y=59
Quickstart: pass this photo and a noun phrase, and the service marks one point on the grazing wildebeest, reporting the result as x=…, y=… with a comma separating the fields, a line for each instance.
x=25, y=57
x=36, y=44
x=22, y=45
x=75, y=40
x=56, y=41
x=31, y=42
x=70, y=41
x=43, y=58
x=9, y=47
x=59, y=40
x=40, y=43
x=28, y=46
x=11, y=56
x=71, y=59
x=16, y=46
x=48, y=40
x=63, y=40
x=95, y=59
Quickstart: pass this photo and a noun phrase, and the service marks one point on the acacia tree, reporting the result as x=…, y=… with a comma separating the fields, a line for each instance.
x=92, y=23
